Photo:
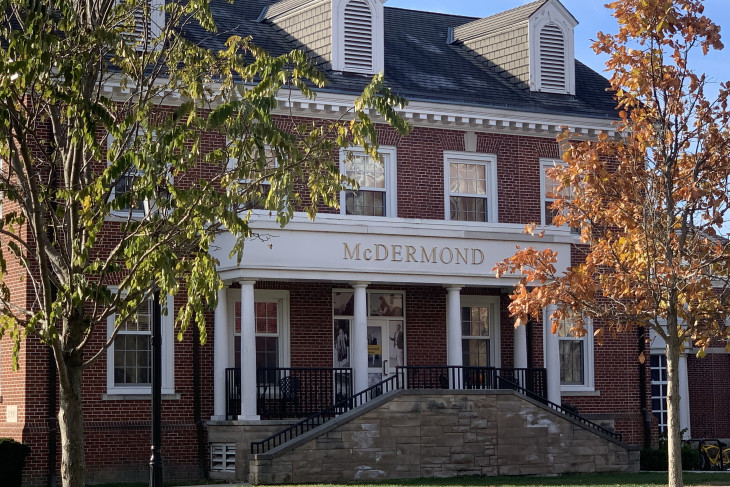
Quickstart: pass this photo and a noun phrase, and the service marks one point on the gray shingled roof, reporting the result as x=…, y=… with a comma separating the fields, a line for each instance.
x=419, y=64
x=498, y=21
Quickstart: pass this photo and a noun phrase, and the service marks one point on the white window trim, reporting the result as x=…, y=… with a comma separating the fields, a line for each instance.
x=555, y=13
x=168, y=357
x=588, y=361
x=391, y=183
x=492, y=302
x=338, y=37
x=283, y=324
x=488, y=160
x=544, y=165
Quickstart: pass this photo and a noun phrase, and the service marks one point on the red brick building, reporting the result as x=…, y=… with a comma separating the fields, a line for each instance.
x=401, y=275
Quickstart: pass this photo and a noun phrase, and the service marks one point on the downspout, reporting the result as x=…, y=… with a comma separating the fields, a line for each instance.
x=646, y=414
x=199, y=427
x=52, y=373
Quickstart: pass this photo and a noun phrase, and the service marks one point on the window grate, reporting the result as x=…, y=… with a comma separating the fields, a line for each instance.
x=552, y=59
x=222, y=457
x=358, y=43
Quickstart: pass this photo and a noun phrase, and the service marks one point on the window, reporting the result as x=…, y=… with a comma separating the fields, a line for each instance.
x=376, y=195
x=261, y=192
x=576, y=357
x=270, y=315
x=549, y=192
x=479, y=331
x=129, y=358
x=470, y=180
x=659, y=390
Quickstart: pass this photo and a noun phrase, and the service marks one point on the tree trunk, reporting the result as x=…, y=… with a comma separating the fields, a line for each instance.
x=71, y=424
x=674, y=439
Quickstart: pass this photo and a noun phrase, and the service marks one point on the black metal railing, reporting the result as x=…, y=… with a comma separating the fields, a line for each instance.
x=325, y=415
x=291, y=392
x=453, y=377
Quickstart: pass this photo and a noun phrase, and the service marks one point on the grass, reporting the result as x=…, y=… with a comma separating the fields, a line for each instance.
x=641, y=479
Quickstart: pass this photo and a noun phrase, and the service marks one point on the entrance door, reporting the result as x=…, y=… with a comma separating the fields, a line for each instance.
x=386, y=343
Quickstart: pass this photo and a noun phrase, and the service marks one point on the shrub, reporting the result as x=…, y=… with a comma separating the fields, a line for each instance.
x=656, y=459
x=12, y=459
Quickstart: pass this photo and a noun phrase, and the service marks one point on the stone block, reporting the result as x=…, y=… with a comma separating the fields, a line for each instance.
x=462, y=459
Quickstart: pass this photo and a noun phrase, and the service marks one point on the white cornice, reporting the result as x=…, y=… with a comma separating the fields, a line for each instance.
x=431, y=114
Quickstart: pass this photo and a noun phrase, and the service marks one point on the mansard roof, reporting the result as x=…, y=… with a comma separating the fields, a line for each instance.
x=420, y=64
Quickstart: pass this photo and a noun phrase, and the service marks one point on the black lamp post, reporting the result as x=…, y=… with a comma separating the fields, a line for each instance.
x=156, y=458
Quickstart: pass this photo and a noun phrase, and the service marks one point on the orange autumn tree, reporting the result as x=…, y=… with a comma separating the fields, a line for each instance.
x=651, y=202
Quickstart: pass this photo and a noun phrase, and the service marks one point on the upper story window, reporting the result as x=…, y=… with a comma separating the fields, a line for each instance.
x=470, y=182
x=549, y=190
x=357, y=36
x=576, y=357
x=129, y=358
x=256, y=181
x=376, y=195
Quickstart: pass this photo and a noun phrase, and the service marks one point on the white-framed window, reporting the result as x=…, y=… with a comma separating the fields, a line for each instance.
x=259, y=195
x=576, y=357
x=659, y=384
x=549, y=193
x=222, y=457
x=271, y=315
x=470, y=181
x=138, y=208
x=376, y=195
x=129, y=358
x=480, y=331
x=358, y=36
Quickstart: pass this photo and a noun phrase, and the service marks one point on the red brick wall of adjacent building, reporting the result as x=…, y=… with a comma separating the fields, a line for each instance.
x=709, y=395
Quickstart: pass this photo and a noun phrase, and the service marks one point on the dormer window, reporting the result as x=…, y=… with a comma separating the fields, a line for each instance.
x=357, y=36
x=552, y=59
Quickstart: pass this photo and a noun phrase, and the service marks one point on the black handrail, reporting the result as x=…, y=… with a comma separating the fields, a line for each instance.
x=386, y=385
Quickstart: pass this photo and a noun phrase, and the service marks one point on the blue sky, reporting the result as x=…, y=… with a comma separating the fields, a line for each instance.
x=592, y=17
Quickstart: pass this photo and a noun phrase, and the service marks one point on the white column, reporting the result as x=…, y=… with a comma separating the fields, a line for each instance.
x=453, y=334
x=684, y=396
x=359, y=342
x=220, y=352
x=248, y=353
x=552, y=358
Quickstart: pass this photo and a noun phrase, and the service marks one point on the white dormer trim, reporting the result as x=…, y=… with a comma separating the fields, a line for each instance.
x=343, y=60
x=548, y=23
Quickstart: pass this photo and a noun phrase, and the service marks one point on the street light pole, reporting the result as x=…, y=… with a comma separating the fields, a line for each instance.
x=156, y=458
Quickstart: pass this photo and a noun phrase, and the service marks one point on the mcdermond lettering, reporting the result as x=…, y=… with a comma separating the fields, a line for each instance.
x=414, y=253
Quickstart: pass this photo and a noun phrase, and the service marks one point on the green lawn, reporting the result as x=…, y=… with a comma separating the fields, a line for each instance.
x=643, y=479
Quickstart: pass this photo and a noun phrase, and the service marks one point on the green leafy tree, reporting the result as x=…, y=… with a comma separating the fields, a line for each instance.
x=652, y=203
x=102, y=119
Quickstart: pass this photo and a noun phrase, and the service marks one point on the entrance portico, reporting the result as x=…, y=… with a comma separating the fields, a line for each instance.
x=367, y=259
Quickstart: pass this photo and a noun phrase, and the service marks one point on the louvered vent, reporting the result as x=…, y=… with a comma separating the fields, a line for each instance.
x=552, y=59
x=148, y=20
x=358, y=36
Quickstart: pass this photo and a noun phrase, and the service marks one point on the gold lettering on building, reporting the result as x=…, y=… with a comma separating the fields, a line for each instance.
x=410, y=254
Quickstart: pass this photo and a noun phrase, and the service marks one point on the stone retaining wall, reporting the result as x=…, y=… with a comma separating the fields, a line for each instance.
x=410, y=434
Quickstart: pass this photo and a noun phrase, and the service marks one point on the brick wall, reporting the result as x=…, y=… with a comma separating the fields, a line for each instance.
x=709, y=395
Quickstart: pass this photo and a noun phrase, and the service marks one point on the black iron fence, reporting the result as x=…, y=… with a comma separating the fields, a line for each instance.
x=453, y=377
x=291, y=392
